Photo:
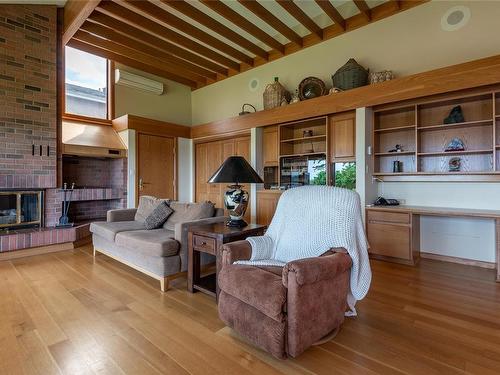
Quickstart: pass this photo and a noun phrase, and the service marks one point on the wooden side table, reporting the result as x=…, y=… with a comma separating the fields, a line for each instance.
x=209, y=239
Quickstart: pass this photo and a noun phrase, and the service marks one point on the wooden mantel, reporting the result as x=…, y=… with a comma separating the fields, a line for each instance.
x=468, y=75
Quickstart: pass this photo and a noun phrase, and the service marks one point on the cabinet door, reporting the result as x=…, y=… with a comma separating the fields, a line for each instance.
x=201, y=184
x=391, y=240
x=270, y=146
x=342, y=134
x=266, y=206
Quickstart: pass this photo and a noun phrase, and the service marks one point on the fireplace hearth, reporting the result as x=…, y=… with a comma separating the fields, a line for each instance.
x=21, y=208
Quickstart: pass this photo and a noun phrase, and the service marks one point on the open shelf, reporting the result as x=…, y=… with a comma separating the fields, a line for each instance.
x=395, y=129
x=305, y=139
x=394, y=153
x=464, y=152
x=302, y=154
x=457, y=125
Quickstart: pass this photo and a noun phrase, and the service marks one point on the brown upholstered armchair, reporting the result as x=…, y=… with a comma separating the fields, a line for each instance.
x=283, y=310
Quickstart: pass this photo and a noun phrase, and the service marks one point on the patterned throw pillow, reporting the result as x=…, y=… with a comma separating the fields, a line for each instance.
x=159, y=215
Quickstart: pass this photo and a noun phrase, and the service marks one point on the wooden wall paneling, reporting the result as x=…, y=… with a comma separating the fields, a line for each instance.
x=456, y=78
x=99, y=51
x=201, y=173
x=267, y=200
x=270, y=145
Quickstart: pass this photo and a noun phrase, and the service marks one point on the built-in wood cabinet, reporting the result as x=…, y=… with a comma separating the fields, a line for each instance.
x=392, y=236
x=208, y=158
x=342, y=137
x=267, y=200
x=270, y=146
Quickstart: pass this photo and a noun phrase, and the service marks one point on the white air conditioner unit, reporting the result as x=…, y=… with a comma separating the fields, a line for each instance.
x=135, y=81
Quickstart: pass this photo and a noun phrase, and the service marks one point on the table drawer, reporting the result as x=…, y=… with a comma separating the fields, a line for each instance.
x=204, y=244
x=389, y=217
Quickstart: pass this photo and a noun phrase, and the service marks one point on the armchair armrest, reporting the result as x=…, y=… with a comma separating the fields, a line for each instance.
x=238, y=250
x=312, y=270
x=125, y=214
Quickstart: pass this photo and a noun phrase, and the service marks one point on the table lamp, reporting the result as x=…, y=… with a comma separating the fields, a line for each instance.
x=235, y=170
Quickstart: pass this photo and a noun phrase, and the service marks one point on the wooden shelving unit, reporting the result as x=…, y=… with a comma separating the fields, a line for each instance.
x=419, y=128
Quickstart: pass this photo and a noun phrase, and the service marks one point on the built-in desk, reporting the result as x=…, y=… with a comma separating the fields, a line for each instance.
x=394, y=231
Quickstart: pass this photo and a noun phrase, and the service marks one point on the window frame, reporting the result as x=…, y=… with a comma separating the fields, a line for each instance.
x=110, y=95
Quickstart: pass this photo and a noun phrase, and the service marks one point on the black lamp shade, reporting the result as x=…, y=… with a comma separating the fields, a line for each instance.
x=235, y=170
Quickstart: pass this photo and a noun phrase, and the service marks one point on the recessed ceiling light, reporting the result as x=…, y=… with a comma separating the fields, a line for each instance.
x=455, y=18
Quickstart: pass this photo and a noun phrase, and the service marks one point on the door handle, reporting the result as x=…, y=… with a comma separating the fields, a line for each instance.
x=142, y=183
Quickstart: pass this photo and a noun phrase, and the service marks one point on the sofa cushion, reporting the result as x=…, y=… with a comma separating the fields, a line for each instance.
x=245, y=283
x=109, y=230
x=146, y=206
x=156, y=242
x=184, y=212
x=159, y=215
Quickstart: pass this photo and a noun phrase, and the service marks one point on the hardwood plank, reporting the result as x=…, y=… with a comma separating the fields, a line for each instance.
x=221, y=29
x=70, y=313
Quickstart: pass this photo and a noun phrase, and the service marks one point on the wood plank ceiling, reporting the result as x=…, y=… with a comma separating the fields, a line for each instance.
x=199, y=42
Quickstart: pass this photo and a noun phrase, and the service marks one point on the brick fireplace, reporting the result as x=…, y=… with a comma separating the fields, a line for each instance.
x=28, y=134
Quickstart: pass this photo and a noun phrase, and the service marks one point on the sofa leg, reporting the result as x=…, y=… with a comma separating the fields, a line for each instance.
x=164, y=284
x=94, y=252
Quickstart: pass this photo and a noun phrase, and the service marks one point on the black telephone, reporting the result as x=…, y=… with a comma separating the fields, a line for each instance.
x=386, y=202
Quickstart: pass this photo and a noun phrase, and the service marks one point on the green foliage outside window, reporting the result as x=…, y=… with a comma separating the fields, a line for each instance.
x=346, y=177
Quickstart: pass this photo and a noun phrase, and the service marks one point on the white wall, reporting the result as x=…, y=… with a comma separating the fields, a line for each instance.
x=128, y=138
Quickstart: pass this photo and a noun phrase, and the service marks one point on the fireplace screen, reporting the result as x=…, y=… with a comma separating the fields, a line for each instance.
x=20, y=208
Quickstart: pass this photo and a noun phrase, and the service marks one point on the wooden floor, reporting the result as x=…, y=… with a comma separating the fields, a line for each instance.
x=68, y=313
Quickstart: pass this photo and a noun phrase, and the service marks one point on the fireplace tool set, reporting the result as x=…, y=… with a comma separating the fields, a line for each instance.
x=68, y=193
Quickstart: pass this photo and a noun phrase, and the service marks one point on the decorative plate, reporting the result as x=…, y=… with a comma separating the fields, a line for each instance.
x=311, y=87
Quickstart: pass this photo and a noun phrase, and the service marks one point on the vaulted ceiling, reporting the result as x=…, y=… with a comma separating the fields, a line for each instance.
x=199, y=42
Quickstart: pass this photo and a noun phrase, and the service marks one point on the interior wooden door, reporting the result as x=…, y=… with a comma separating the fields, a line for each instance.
x=156, y=166
x=201, y=188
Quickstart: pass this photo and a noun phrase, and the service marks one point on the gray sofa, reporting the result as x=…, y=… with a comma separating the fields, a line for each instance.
x=160, y=253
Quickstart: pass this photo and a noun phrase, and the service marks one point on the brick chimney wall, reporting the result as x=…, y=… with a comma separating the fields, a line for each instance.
x=28, y=37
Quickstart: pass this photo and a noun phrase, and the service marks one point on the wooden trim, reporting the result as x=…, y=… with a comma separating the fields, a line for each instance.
x=240, y=21
x=16, y=254
x=207, y=21
x=89, y=120
x=111, y=90
x=273, y=21
x=150, y=126
x=84, y=46
x=221, y=137
x=331, y=12
x=61, y=93
x=75, y=14
x=98, y=152
x=296, y=12
x=451, y=259
x=464, y=76
x=160, y=44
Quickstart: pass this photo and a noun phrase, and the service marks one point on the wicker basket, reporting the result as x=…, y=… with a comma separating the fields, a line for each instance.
x=350, y=76
x=274, y=94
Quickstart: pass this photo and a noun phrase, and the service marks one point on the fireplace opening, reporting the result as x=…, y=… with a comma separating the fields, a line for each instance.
x=21, y=209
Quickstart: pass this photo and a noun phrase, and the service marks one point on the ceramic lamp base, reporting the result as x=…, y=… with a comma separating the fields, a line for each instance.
x=236, y=223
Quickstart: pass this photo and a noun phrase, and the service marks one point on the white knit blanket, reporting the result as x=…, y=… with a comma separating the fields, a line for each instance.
x=308, y=222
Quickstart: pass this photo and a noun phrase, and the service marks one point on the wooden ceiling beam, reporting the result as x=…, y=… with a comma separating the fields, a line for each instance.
x=98, y=51
x=331, y=12
x=273, y=21
x=116, y=37
x=139, y=56
x=162, y=45
x=75, y=14
x=240, y=21
x=207, y=21
x=161, y=15
x=296, y=12
x=363, y=8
